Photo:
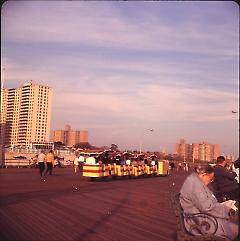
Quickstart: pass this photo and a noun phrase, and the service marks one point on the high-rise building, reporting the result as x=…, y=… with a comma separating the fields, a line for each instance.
x=26, y=115
x=69, y=136
x=180, y=148
x=197, y=151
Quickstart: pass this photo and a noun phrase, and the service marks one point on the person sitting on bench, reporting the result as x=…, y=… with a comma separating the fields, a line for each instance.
x=196, y=197
x=225, y=183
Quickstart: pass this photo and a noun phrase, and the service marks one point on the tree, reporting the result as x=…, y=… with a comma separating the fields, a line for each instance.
x=83, y=145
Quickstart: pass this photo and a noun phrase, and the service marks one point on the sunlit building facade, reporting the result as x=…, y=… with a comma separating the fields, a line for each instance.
x=25, y=115
x=197, y=151
x=70, y=137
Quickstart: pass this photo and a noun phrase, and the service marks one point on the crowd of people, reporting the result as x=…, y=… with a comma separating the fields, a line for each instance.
x=215, y=191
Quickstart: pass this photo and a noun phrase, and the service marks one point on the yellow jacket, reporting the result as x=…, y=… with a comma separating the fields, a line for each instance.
x=50, y=158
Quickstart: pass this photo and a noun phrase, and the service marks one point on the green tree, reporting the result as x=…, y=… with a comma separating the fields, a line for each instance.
x=83, y=145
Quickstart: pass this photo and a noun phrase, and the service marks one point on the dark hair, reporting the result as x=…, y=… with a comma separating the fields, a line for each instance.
x=237, y=163
x=204, y=168
x=220, y=159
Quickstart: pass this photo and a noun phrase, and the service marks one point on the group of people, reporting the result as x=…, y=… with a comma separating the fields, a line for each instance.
x=105, y=158
x=181, y=166
x=206, y=190
x=44, y=160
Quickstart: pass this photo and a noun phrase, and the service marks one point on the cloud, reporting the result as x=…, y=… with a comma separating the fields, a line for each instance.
x=102, y=25
x=121, y=67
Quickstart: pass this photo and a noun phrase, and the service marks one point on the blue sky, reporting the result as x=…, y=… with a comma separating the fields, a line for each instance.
x=118, y=68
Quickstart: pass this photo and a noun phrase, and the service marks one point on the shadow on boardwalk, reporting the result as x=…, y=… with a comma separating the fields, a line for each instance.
x=67, y=206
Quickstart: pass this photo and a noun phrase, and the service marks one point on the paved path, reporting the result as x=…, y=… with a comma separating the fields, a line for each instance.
x=67, y=206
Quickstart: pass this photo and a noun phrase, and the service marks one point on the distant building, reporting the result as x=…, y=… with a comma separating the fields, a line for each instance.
x=25, y=115
x=197, y=151
x=42, y=145
x=69, y=136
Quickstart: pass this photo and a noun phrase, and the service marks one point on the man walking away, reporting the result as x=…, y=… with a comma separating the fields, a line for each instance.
x=50, y=162
x=41, y=159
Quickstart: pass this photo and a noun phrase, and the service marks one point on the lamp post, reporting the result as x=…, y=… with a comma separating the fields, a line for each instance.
x=144, y=131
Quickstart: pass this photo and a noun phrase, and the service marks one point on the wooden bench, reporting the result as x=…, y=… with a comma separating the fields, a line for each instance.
x=204, y=226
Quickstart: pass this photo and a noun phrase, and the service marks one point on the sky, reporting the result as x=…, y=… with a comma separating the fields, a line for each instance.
x=121, y=68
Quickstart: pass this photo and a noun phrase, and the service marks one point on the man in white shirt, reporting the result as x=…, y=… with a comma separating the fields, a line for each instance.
x=41, y=159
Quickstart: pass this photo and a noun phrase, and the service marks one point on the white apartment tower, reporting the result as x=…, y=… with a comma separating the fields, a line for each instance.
x=25, y=115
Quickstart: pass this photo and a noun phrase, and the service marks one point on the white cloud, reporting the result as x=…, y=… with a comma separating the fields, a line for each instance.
x=104, y=27
x=118, y=71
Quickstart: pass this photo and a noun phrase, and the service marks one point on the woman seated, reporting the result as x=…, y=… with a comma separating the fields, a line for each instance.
x=196, y=197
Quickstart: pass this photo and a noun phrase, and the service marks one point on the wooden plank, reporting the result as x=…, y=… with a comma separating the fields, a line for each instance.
x=125, y=210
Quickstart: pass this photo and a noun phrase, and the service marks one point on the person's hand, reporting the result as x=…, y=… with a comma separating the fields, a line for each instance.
x=233, y=215
x=231, y=212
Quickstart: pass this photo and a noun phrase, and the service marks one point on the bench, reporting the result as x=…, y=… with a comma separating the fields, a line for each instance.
x=202, y=226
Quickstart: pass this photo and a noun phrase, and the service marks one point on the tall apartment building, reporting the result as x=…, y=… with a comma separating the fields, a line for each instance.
x=180, y=148
x=197, y=151
x=25, y=115
x=69, y=136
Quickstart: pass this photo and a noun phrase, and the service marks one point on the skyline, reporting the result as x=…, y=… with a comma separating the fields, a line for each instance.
x=120, y=68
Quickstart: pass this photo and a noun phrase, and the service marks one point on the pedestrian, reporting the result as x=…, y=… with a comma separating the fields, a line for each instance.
x=81, y=161
x=75, y=163
x=41, y=160
x=179, y=166
x=50, y=162
x=196, y=197
x=172, y=165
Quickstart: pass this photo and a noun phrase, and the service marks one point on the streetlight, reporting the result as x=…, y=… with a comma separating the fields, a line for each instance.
x=140, y=146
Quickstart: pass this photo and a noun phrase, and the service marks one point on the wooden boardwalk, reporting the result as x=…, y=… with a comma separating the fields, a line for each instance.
x=67, y=206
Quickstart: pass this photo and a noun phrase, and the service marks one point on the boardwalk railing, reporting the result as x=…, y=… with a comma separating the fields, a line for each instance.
x=18, y=163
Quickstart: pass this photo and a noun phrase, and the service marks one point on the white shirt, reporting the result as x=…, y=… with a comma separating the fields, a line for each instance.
x=91, y=160
x=41, y=157
x=128, y=162
x=81, y=159
x=236, y=170
x=76, y=161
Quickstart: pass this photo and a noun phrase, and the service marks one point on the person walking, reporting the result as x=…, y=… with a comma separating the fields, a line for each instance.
x=50, y=162
x=75, y=163
x=41, y=159
x=81, y=161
